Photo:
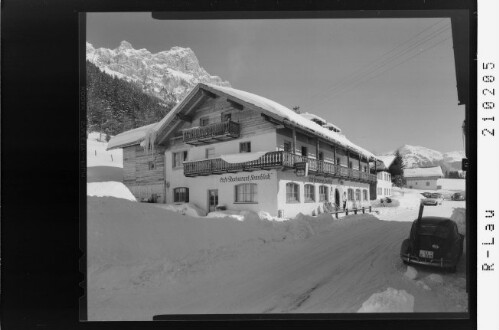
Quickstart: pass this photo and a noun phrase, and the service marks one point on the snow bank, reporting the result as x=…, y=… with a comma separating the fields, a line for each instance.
x=109, y=189
x=459, y=217
x=452, y=184
x=184, y=209
x=122, y=232
x=389, y=301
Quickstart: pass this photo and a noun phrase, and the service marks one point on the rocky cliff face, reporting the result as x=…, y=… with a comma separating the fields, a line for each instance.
x=169, y=74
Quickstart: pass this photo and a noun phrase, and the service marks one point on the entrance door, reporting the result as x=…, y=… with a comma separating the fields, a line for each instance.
x=337, y=198
x=212, y=199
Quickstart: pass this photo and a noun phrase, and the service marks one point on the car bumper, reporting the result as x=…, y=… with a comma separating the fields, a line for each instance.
x=442, y=263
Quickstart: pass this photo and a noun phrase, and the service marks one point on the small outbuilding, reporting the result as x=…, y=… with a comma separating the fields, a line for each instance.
x=423, y=177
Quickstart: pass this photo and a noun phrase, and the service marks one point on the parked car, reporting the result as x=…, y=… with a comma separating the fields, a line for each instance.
x=433, y=241
x=433, y=199
x=426, y=194
x=458, y=197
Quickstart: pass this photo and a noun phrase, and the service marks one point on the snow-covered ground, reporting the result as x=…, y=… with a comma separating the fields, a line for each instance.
x=148, y=259
x=97, y=155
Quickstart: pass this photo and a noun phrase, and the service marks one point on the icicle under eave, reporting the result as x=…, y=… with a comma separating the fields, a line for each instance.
x=149, y=141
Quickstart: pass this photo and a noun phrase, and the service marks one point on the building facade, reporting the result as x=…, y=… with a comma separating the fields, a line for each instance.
x=423, y=178
x=384, y=184
x=222, y=148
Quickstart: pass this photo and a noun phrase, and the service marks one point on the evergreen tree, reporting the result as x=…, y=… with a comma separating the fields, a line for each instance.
x=296, y=109
x=397, y=170
x=115, y=105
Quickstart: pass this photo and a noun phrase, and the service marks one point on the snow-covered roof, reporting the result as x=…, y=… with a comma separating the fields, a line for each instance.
x=387, y=160
x=329, y=125
x=275, y=109
x=134, y=136
x=423, y=172
x=311, y=116
x=267, y=106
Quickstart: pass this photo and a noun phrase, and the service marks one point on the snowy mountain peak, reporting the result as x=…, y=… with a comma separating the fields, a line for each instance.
x=125, y=45
x=419, y=156
x=169, y=74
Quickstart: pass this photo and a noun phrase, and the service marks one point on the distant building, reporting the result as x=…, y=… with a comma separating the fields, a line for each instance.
x=225, y=148
x=384, y=184
x=423, y=178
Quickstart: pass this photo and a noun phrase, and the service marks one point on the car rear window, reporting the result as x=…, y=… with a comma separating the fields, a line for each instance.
x=439, y=231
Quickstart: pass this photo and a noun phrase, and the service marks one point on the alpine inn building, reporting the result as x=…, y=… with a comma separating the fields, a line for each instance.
x=223, y=148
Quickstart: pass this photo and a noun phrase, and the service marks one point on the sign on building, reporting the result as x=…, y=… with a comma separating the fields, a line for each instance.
x=301, y=169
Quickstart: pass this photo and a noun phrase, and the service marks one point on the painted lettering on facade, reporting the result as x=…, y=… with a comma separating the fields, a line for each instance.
x=314, y=179
x=246, y=178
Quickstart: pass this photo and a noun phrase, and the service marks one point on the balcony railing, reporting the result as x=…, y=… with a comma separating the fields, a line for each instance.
x=211, y=133
x=275, y=159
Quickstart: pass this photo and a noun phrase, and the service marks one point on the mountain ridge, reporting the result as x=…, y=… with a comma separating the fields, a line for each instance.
x=168, y=75
x=419, y=156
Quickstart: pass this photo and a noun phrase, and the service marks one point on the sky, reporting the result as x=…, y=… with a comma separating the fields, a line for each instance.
x=384, y=82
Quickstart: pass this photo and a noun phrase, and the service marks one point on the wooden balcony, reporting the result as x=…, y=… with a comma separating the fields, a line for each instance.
x=211, y=133
x=275, y=159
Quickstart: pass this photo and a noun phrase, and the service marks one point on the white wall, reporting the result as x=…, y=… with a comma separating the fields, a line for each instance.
x=422, y=183
x=384, y=186
x=261, y=142
x=225, y=183
x=292, y=209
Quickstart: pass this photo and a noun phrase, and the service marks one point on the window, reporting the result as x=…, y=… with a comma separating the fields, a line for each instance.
x=151, y=165
x=338, y=161
x=179, y=158
x=427, y=183
x=210, y=152
x=292, y=193
x=357, y=195
x=304, y=151
x=350, y=194
x=323, y=194
x=246, y=193
x=181, y=195
x=365, y=194
x=245, y=147
x=350, y=165
x=204, y=121
x=226, y=116
x=380, y=191
x=287, y=146
x=309, y=193
x=321, y=155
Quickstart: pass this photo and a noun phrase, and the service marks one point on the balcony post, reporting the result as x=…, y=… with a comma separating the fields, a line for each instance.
x=359, y=163
x=293, y=147
x=317, y=148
